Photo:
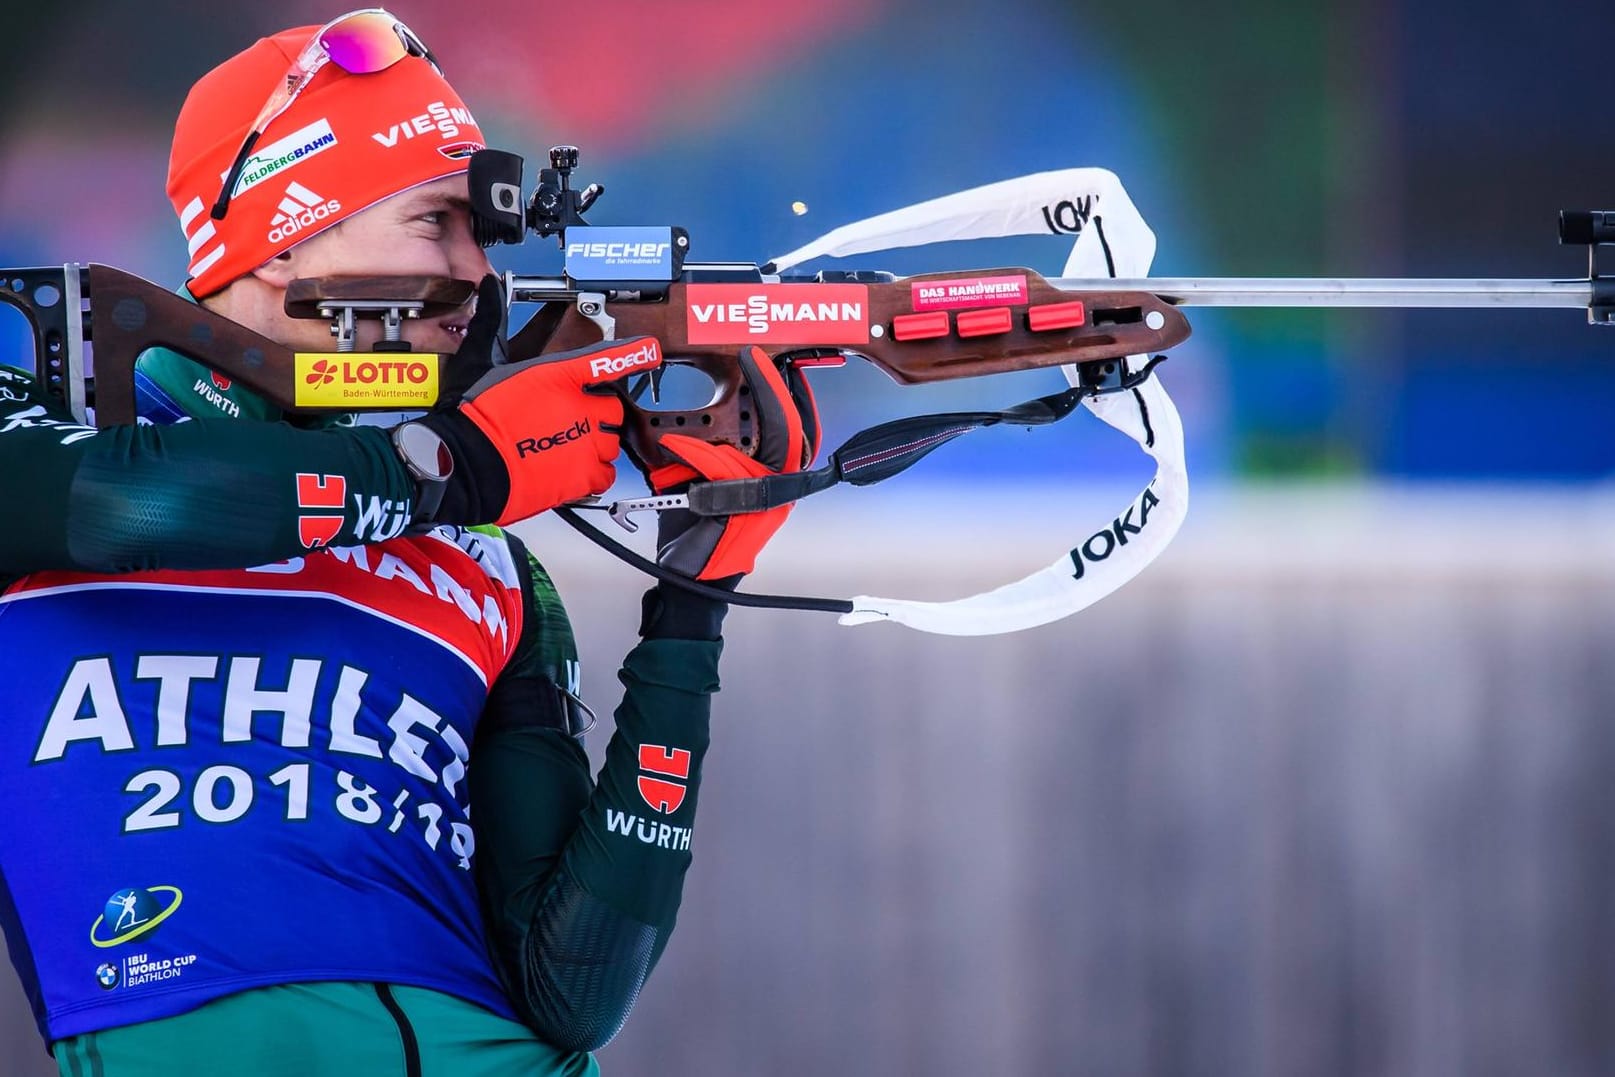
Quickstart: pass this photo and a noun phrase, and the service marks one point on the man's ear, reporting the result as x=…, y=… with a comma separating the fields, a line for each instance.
x=279, y=271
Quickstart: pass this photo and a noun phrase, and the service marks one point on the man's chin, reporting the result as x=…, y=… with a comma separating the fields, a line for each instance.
x=442, y=343
x=432, y=342
x=438, y=343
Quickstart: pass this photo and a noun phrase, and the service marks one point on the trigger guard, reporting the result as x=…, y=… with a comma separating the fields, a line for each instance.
x=725, y=419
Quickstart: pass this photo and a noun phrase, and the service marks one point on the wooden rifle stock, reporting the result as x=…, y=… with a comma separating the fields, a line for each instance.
x=957, y=335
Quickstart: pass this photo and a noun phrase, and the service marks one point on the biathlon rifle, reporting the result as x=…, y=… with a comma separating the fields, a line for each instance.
x=1103, y=322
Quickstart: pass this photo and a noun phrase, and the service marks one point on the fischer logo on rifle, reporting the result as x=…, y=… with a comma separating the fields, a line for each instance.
x=628, y=251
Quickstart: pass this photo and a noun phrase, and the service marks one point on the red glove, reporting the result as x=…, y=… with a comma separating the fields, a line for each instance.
x=529, y=436
x=716, y=547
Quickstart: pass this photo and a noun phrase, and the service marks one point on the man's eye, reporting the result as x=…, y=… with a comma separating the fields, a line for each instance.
x=434, y=217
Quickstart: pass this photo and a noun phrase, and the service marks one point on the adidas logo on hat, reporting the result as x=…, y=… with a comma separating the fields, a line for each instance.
x=299, y=209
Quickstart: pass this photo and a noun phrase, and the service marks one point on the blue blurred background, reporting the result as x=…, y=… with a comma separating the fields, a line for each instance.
x=1372, y=139
x=1325, y=791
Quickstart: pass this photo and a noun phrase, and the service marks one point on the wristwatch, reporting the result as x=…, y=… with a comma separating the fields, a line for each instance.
x=429, y=461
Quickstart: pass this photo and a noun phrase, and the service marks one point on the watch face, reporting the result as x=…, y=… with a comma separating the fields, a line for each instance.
x=423, y=451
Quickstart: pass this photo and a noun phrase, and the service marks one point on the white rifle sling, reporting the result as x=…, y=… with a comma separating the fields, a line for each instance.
x=1112, y=241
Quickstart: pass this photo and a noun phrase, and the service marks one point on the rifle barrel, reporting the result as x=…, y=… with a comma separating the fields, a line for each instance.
x=1347, y=292
x=1406, y=292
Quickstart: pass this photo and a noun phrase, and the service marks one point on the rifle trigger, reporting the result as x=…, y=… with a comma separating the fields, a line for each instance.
x=808, y=357
x=592, y=305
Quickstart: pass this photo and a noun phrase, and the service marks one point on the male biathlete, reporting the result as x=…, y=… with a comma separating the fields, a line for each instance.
x=290, y=772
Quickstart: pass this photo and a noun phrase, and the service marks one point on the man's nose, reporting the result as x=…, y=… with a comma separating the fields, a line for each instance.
x=468, y=260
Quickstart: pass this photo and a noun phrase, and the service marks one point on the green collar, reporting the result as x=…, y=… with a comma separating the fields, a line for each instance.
x=202, y=393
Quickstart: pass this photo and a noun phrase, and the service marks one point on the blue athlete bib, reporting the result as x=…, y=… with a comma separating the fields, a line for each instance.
x=219, y=780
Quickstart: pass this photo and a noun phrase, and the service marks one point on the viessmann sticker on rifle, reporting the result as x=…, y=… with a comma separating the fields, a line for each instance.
x=777, y=313
x=969, y=292
x=345, y=380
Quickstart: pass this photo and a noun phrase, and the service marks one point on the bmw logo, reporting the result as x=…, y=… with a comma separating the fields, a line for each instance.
x=107, y=976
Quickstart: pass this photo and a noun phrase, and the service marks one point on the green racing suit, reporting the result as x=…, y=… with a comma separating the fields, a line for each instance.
x=574, y=880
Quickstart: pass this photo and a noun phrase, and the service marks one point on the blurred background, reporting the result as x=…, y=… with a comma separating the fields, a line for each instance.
x=1331, y=788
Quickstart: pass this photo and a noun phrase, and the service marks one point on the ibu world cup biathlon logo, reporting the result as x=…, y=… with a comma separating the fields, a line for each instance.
x=133, y=912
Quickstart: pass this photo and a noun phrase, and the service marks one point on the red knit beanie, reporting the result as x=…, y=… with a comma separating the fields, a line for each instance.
x=345, y=143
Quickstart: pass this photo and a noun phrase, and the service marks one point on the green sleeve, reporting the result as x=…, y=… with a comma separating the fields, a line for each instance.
x=581, y=880
x=199, y=494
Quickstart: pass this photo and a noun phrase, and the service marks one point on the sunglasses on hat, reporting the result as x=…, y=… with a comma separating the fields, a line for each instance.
x=360, y=43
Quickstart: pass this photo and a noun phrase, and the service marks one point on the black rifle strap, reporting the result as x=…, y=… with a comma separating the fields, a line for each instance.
x=873, y=455
x=867, y=457
x=690, y=583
